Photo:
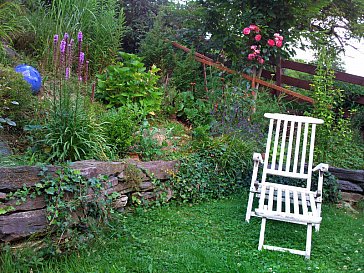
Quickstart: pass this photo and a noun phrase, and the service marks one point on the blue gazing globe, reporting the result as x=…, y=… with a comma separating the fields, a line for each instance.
x=31, y=75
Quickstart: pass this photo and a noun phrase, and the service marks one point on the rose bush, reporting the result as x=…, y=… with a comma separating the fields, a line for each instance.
x=260, y=47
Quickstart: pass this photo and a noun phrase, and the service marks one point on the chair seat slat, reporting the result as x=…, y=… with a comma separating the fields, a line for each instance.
x=279, y=200
x=304, y=203
x=287, y=174
x=287, y=203
x=271, y=198
x=295, y=202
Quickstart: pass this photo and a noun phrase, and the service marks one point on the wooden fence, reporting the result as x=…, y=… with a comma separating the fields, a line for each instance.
x=279, y=77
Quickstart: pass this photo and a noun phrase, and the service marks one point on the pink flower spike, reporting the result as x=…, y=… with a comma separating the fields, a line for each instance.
x=280, y=38
x=67, y=73
x=271, y=42
x=253, y=47
x=257, y=51
x=80, y=36
x=276, y=35
x=253, y=27
x=258, y=37
x=55, y=38
x=251, y=57
x=261, y=60
x=81, y=58
x=62, y=46
x=279, y=43
x=66, y=36
x=246, y=31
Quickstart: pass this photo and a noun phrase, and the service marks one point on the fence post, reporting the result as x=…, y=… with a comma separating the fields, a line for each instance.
x=278, y=74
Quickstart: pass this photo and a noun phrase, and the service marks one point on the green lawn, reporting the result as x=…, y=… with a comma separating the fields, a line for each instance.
x=213, y=237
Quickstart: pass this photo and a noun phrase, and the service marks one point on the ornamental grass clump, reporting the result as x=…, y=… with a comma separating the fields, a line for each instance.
x=70, y=130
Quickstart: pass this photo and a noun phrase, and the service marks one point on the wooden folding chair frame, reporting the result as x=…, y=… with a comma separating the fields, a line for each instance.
x=282, y=202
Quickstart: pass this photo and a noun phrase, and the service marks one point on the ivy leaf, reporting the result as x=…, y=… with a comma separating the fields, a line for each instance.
x=50, y=190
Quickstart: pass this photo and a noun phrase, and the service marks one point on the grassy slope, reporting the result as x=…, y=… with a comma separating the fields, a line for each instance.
x=213, y=237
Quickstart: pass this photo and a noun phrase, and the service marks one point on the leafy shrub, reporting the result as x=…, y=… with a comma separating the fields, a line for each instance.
x=128, y=81
x=120, y=126
x=16, y=99
x=215, y=170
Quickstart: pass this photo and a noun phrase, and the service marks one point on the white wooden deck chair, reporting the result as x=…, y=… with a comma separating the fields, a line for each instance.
x=289, y=153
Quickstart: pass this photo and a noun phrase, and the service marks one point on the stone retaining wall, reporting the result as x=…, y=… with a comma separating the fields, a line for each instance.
x=30, y=217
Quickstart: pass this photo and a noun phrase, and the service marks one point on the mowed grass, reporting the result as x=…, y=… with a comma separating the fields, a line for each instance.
x=213, y=237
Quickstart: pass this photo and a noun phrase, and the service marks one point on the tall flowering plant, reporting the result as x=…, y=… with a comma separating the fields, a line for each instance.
x=259, y=47
x=71, y=130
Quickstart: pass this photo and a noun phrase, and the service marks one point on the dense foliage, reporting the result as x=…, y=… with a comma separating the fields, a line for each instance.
x=216, y=169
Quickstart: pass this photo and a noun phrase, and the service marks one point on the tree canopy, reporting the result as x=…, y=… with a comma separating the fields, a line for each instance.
x=323, y=21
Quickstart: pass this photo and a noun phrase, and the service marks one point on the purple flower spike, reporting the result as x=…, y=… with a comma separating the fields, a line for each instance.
x=55, y=38
x=67, y=73
x=66, y=36
x=62, y=46
x=80, y=36
x=82, y=57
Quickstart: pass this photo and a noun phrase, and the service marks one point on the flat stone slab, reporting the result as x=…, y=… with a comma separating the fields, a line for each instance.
x=5, y=150
x=349, y=186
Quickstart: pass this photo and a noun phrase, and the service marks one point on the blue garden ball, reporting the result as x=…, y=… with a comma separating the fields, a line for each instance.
x=31, y=75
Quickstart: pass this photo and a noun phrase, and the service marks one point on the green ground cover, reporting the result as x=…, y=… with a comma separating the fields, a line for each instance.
x=212, y=237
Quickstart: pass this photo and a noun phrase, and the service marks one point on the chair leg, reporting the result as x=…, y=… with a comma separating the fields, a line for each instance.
x=262, y=232
x=317, y=226
x=308, y=241
x=249, y=207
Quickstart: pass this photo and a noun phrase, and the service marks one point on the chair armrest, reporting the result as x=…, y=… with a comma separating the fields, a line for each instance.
x=258, y=158
x=322, y=167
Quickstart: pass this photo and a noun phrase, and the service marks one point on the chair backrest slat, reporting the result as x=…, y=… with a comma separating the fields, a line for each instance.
x=310, y=159
x=304, y=147
x=297, y=150
x=290, y=146
x=267, y=149
x=290, y=142
x=276, y=140
x=283, y=145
